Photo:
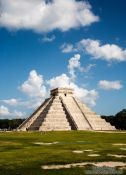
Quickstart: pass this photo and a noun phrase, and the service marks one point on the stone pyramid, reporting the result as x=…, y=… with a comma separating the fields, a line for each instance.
x=62, y=111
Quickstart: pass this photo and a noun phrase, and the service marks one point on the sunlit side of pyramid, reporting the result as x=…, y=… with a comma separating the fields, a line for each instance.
x=62, y=111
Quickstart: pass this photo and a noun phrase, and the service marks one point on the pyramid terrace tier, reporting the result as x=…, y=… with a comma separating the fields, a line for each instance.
x=62, y=111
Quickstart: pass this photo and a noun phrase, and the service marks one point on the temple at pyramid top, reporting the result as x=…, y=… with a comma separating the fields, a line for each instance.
x=62, y=111
x=62, y=91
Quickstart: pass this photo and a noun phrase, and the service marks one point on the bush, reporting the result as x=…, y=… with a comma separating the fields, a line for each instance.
x=10, y=124
x=119, y=120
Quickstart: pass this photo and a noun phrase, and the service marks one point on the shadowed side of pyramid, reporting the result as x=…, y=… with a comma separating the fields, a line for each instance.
x=37, y=113
x=62, y=111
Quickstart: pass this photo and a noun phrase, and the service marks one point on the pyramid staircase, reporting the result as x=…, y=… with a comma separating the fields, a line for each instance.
x=56, y=119
x=64, y=112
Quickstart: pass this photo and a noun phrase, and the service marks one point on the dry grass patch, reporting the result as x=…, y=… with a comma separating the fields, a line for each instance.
x=116, y=155
x=93, y=155
x=82, y=164
x=78, y=151
x=43, y=143
x=119, y=144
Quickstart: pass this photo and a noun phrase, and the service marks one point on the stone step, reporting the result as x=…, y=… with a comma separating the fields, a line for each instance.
x=61, y=121
x=55, y=124
x=83, y=106
x=55, y=111
x=92, y=115
x=89, y=113
x=56, y=129
x=56, y=104
x=56, y=107
x=56, y=118
x=57, y=101
x=96, y=127
x=52, y=129
x=56, y=115
x=93, y=118
x=74, y=110
x=97, y=121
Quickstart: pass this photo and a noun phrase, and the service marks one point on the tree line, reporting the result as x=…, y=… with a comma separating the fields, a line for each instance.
x=118, y=120
x=10, y=124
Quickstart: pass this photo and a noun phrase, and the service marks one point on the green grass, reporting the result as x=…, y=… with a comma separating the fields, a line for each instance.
x=19, y=155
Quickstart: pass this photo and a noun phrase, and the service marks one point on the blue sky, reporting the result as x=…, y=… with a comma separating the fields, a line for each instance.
x=48, y=44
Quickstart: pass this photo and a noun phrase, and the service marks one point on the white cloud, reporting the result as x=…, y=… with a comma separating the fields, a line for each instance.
x=34, y=86
x=46, y=39
x=18, y=114
x=87, y=96
x=35, y=89
x=11, y=102
x=108, y=52
x=87, y=68
x=59, y=81
x=31, y=103
x=67, y=48
x=74, y=63
x=5, y=113
x=110, y=85
x=40, y=16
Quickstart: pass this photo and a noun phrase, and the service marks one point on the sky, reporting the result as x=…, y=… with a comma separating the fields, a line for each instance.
x=45, y=44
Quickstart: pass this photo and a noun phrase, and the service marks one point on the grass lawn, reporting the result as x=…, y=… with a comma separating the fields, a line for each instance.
x=23, y=153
